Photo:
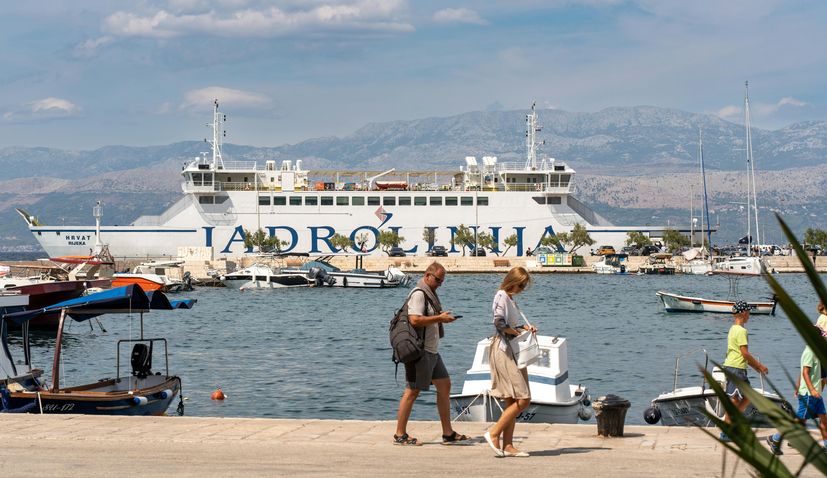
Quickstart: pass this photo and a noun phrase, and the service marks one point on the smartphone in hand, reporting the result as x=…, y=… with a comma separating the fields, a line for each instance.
x=457, y=316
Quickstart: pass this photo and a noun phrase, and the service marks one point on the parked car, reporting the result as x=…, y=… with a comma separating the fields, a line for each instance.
x=649, y=249
x=438, y=251
x=396, y=251
x=630, y=250
x=603, y=250
x=543, y=250
x=476, y=251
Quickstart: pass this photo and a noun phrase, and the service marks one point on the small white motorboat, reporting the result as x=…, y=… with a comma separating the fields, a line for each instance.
x=553, y=398
x=611, y=264
x=152, y=275
x=261, y=276
x=322, y=272
x=685, y=406
x=682, y=303
x=741, y=265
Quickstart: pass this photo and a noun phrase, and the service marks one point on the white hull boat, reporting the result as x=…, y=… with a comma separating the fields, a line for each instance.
x=686, y=406
x=611, y=264
x=323, y=273
x=745, y=265
x=681, y=303
x=553, y=398
x=260, y=276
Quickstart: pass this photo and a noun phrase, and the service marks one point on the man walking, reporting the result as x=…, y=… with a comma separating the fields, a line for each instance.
x=425, y=310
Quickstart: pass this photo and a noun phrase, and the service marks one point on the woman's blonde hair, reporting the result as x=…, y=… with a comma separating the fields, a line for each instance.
x=821, y=309
x=516, y=279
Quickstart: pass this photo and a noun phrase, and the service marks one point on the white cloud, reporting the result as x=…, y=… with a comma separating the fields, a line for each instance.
x=89, y=48
x=459, y=15
x=202, y=99
x=53, y=105
x=266, y=22
x=760, y=110
x=46, y=108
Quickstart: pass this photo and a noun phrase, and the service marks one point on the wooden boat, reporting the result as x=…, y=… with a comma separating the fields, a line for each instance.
x=681, y=303
x=659, y=263
x=140, y=393
x=391, y=185
x=44, y=293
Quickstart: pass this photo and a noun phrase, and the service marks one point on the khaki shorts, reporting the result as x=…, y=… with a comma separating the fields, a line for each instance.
x=421, y=373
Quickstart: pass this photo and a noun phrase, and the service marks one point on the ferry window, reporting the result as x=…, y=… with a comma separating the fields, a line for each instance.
x=420, y=201
x=279, y=201
x=554, y=181
x=405, y=201
x=451, y=201
x=205, y=200
x=482, y=201
x=436, y=200
x=295, y=200
x=197, y=179
x=311, y=200
x=373, y=200
x=221, y=199
x=264, y=200
x=327, y=200
x=342, y=200
x=466, y=201
x=564, y=180
x=207, y=179
x=539, y=199
x=555, y=200
x=358, y=200
x=389, y=201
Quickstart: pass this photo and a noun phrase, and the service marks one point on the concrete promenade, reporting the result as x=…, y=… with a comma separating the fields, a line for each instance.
x=78, y=445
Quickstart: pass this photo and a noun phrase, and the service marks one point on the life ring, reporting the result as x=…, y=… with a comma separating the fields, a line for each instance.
x=537, y=187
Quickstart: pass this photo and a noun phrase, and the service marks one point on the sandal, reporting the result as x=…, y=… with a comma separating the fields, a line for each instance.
x=453, y=438
x=405, y=440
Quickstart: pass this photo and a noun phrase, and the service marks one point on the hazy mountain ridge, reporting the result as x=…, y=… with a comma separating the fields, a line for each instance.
x=635, y=165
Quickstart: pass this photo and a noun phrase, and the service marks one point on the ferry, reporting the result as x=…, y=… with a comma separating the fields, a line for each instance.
x=304, y=209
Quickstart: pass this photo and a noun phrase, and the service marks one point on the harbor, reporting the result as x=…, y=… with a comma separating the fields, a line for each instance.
x=265, y=447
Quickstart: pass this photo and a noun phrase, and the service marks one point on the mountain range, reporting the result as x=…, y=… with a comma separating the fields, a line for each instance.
x=632, y=147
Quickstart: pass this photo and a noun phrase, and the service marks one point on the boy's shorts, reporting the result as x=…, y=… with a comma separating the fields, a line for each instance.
x=731, y=388
x=810, y=407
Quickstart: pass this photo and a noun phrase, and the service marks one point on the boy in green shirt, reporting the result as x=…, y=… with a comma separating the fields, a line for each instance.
x=738, y=357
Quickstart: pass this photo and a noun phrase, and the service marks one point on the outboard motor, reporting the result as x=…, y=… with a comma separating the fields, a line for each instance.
x=320, y=277
x=141, y=360
x=187, y=280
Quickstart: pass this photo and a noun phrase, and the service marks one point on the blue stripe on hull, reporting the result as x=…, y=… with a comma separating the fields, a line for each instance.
x=531, y=378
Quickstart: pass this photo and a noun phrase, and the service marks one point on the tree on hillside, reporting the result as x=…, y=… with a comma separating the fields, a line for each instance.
x=262, y=241
x=388, y=239
x=674, y=240
x=341, y=242
x=637, y=239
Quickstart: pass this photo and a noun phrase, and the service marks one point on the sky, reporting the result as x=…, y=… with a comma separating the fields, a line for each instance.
x=81, y=75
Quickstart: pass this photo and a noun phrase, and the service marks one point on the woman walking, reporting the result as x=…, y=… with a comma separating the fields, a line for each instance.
x=508, y=382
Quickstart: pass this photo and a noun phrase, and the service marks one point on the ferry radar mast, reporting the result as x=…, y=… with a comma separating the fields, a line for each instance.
x=218, y=120
x=531, y=130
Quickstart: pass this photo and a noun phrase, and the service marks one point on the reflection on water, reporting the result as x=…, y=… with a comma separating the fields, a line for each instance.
x=324, y=353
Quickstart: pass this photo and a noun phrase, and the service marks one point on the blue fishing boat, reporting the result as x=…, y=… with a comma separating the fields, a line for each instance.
x=141, y=392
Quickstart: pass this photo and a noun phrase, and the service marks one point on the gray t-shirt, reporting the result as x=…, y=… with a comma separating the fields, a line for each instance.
x=416, y=306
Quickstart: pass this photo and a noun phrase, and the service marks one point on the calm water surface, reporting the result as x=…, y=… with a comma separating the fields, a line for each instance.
x=324, y=353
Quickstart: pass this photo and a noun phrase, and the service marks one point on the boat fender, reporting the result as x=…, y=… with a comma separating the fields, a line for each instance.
x=165, y=394
x=140, y=401
x=651, y=415
x=584, y=414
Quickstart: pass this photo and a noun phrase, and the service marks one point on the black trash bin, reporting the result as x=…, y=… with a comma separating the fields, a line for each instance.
x=610, y=412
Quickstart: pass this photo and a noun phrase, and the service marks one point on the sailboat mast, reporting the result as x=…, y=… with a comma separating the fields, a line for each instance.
x=749, y=181
x=751, y=163
x=705, y=211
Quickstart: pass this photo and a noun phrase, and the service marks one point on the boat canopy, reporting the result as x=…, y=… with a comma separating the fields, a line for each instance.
x=121, y=300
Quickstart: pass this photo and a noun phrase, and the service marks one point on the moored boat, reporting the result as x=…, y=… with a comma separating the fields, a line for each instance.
x=140, y=393
x=262, y=276
x=150, y=276
x=553, y=398
x=682, y=303
x=612, y=264
x=685, y=406
x=323, y=273
x=659, y=263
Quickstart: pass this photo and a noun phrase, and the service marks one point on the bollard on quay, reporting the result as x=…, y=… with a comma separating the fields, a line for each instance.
x=610, y=412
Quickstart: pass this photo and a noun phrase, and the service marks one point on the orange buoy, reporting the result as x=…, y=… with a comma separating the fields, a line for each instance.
x=217, y=394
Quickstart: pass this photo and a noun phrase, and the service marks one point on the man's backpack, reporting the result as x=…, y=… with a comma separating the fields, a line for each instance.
x=407, y=341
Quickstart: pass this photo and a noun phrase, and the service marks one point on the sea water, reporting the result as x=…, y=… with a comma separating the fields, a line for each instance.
x=324, y=353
